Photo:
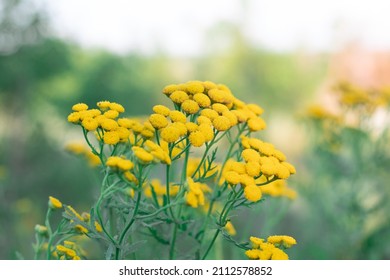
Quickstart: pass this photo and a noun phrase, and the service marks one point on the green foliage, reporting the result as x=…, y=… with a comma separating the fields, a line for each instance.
x=346, y=191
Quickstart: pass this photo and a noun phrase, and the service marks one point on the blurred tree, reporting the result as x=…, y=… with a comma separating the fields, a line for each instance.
x=21, y=23
x=27, y=57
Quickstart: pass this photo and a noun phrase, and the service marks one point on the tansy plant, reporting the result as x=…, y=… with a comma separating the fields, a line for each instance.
x=348, y=157
x=172, y=181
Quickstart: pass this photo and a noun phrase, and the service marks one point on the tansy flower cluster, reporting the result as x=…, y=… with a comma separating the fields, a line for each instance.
x=48, y=241
x=261, y=165
x=178, y=174
x=68, y=251
x=270, y=249
x=105, y=122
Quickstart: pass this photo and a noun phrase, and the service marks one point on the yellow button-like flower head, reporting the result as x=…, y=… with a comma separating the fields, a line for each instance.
x=117, y=107
x=74, y=117
x=196, y=138
x=103, y=105
x=158, y=121
x=207, y=131
x=80, y=107
x=190, y=107
x=256, y=124
x=232, y=177
x=179, y=96
x=162, y=110
x=221, y=123
x=90, y=124
x=170, y=134
x=202, y=99
x=111, y=137
x=252, y=193
x=250, y=155
x=54, y=203
x=194, y=87
x=177, y=116
x=111, y=114
x=109, y=124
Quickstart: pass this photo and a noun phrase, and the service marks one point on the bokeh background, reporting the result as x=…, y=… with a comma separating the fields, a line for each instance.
x=284, y=55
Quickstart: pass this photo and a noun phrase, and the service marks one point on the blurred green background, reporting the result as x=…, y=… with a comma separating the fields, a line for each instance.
x=42, y=76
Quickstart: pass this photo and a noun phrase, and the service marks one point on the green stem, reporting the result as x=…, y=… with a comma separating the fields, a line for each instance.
x=85, y=132
x=128, y=226
x=50, y=233
x=211, y=244
x=167, y=186
x=173, y=242
x=222, y=221
x=183, y=179
x=99, y=215
x=158, y=211
x=203, y=228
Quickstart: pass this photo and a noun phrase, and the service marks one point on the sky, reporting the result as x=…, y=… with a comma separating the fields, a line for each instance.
x=182, y=27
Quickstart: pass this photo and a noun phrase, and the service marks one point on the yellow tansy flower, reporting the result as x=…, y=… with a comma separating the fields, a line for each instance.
x=232, y=177
x=124, y=164
x=80, y=107
x=74, y=117
x=230, y=228
x=255, y=109
x=98, y=227
x=256, y=124
x=111, y=114
x=177, y=116
x=190, y=107
x=103, y=105
x=221, y=123
x=90, y=124
x=111, y=137
x=123, y=133
x=158, y=121
x=191, y=127
x=279, y=155
x=143, y=156
x=202, y=99
x=253, y=168
x=283, y=240
x=196, y=138
x=207, y=131
x=209, y=113
x=278, y=254
x=219, y=108
x=109, y=124
x=194, y=87
x=170, y=134
x=126, y=122
x=290, y=167
x=54, y=203
x=130, y=177
x=250, y=155
x=217, y=95
x=252, y=193
x=179, y=96
x=117, y=107
x=167, y=90
x=232, y=117
x=181, y=127
x=162, y=110
x=241, y=115
x=81, y=229
x=203, y=120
